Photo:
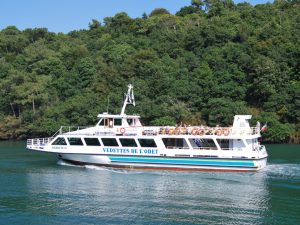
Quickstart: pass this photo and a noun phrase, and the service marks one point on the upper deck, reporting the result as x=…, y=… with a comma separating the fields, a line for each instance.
x=128, y=125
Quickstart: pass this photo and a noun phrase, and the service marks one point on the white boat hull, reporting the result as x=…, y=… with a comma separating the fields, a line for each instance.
x=166, y=163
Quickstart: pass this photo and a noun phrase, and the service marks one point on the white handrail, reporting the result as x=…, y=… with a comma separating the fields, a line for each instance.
x=38, y=141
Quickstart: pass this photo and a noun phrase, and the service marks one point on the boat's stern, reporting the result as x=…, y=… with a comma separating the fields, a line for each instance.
x=263, y=156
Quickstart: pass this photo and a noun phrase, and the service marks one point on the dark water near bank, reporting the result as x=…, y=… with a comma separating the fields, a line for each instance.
x=36, y=189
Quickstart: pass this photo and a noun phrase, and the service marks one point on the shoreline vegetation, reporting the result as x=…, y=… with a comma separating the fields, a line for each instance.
x=211, y=60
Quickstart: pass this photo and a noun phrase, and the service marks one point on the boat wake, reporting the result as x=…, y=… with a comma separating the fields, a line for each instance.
x=100, y=168
x=283, y=170
x=64, y=163
x=272, y=170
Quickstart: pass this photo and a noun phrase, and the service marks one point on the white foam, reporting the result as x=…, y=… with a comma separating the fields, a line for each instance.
x=283, y=169
x=64, y=163
x=92, y=167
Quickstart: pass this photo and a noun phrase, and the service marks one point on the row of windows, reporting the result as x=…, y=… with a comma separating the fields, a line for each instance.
x=130, y=142
x=112, y=142
x=108, y=122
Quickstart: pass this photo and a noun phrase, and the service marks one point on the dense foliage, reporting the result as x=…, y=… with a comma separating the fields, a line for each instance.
x=210, y=61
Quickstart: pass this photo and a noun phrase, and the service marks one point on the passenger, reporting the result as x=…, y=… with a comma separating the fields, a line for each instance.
x=189, y=129
x=110, y=123
x=184, y=129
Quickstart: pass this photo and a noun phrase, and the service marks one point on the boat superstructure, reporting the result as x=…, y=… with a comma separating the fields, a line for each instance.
x=122, y=141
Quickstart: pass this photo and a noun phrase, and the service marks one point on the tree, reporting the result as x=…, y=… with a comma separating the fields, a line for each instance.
x=159, y=12
x=94, y=24
x=277, y=132
x=203, y=65
x=186, y=10
x=197, y=3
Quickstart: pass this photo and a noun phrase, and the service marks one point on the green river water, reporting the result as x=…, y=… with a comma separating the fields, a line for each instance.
x=36, y=188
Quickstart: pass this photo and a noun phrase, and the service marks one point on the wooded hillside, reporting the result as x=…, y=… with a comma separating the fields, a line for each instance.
x=210, y=61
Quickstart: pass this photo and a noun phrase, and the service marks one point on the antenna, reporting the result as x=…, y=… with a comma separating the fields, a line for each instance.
x=107, y=104
x=129, y=99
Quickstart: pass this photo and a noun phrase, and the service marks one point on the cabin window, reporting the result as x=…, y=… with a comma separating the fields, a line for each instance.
x=108, y=122
x=101, y=123
x=208, y=144
x=109, y=142
x=175, y=143
x=92, y=141
x=130, y=122
x=75, y=141
x=59, y=141
x=118, y=122
x=147, y=143
x=128, y=142
x=224, y=143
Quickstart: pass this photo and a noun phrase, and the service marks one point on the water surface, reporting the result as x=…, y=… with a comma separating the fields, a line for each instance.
x=37, y=189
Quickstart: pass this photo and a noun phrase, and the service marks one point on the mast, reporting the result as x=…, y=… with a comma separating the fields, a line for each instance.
x=129, y=99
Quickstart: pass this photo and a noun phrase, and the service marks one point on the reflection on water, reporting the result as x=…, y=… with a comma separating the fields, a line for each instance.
x=40, y=191
x=134, y=196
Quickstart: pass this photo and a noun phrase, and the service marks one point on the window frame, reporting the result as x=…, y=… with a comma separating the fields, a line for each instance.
x=118, y=121
x=99, y=144
x=166, y=141
x=104, y=144
x=65, y=142
x=136, y=145
x=72, y=144
x=147, y=139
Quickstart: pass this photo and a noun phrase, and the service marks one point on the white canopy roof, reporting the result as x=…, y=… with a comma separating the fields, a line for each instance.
x=106, y=115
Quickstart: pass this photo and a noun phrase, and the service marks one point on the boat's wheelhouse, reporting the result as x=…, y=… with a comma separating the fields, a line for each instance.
x=118, y=124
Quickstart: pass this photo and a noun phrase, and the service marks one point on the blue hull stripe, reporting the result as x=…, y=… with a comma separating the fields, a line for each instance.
x=198, y=162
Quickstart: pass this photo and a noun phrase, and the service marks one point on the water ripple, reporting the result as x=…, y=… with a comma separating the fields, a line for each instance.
x=35, y=190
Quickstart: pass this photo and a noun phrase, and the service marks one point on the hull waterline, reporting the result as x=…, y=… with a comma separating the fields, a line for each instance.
x=151, y=163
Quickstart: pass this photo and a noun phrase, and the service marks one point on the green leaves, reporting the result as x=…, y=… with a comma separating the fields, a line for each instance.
x=211, y=60
x=278, y=132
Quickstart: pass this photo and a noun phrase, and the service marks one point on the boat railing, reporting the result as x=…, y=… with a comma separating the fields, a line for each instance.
x=158, y=130
x=197, y=130
x=177, y=147
x=232, y=149
x=39, y=141
x=68, y=129
x=201, y=130
x=205, y=148
x=215, y=148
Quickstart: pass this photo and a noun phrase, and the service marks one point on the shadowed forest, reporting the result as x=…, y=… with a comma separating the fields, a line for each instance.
x=211, y=60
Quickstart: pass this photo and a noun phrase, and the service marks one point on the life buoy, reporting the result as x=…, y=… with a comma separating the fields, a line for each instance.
x=122, y=130
x=194, y=131
x=226, y=132
x=218, y=132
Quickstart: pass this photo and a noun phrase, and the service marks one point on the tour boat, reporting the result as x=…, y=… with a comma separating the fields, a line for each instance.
x=121, y=141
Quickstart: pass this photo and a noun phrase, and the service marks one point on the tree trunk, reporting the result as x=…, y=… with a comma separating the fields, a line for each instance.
x=33, y=106
x=19, y=111
x=12, y=107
